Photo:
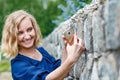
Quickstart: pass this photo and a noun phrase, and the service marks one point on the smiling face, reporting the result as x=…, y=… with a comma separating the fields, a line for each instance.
x=26, y=34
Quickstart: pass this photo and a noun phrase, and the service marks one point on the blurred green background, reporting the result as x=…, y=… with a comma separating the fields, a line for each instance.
x=48, y=13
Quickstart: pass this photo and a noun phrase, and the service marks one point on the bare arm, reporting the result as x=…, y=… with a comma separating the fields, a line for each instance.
x=61, y=72
x=73, y=53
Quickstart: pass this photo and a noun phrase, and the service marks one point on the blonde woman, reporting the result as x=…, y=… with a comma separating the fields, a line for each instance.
x=21, y=39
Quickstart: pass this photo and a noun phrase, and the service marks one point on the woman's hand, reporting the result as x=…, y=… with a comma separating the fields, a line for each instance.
x=75, y=50
x=64, y=51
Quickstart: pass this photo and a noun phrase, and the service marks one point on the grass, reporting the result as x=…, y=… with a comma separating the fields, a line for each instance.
x=4, y=66
x=4, y=63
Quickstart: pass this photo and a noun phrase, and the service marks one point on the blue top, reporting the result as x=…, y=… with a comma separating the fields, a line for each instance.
x=25, y=68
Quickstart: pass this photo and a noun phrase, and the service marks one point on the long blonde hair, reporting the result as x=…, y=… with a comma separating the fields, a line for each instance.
x=10, y=31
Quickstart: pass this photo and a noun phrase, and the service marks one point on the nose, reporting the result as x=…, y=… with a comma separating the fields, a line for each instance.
x=27, y=36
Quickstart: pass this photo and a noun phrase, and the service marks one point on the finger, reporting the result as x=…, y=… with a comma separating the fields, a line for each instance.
x=81, y=42
x=75, y=39
x=64, y=40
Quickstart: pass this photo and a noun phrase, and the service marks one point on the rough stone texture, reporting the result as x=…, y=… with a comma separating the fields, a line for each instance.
x=98, y=24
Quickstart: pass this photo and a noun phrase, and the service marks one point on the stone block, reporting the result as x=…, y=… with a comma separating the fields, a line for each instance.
x=107, y=67
x=86, y=74
x=98, y=30
x=88, y=39
x=112, y=28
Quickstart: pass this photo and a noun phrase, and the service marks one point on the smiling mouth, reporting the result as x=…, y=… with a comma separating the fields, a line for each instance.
x=28, y=41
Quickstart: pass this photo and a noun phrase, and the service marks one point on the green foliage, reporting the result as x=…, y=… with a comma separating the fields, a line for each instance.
x=69, y=9
x=43, y=15
x=4, y=66
x=46, y=17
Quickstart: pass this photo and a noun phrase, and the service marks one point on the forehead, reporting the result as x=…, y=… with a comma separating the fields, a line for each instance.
x=25, y=23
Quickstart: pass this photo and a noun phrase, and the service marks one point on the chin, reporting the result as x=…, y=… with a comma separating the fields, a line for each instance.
x=27, y=46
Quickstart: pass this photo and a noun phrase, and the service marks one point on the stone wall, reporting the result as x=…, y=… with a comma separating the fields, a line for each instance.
x=98, y=24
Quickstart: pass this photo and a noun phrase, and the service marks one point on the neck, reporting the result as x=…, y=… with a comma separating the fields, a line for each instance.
x=32, y=53
x=27, y=50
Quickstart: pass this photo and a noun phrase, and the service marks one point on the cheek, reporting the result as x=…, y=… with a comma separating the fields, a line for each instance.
x=20, y=38
x=33, y=33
